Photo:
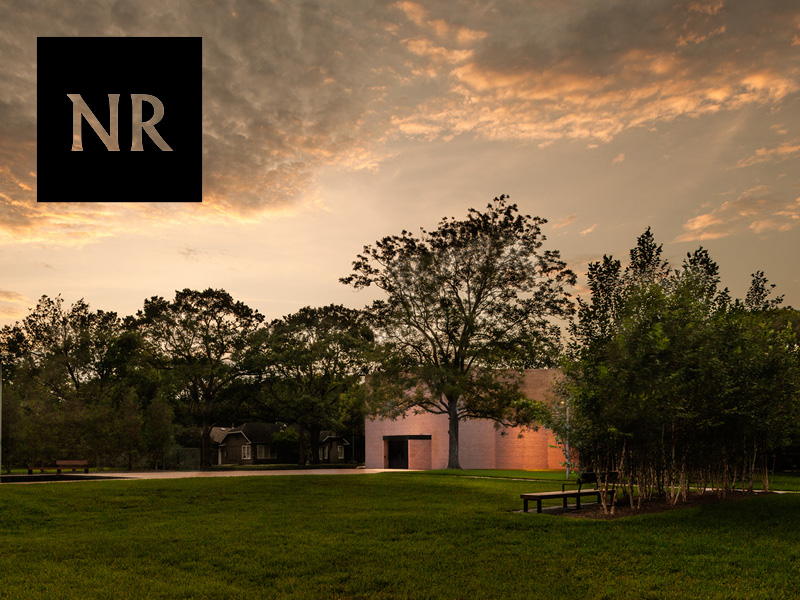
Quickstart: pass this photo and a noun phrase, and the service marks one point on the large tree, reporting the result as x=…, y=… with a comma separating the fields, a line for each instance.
x=313, y=361
x=66, y=368
x=467, y=307
x=201, y=337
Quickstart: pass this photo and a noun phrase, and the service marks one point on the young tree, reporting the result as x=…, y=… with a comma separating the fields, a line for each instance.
x=669, y=382
x=465, y=305
x=201, y=337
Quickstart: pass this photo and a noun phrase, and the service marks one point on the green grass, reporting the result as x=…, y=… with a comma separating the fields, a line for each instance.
x=778, y=481
x=558, y=475
x=393, y=535
x=784, y=481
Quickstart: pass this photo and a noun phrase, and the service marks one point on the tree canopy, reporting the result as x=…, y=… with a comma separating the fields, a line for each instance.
x=467, y=306
x=201, y=337
x=671, y=382
x=312, y=362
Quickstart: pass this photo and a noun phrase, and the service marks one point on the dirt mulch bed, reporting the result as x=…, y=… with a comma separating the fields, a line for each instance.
x=623, y=509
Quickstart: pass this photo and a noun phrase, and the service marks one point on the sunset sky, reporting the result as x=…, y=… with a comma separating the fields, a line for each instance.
x=328, y=125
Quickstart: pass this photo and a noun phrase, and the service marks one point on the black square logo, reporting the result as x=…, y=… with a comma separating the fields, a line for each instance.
x=119, y=119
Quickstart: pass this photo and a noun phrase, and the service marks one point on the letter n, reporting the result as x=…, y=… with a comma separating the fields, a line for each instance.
x=80, y=109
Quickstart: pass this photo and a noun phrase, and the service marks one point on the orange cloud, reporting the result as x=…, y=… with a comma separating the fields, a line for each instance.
x=420, y=16
x=589, y=230
x=781, y=152
x=12, y=305
x=565, y=221
x=757, y=210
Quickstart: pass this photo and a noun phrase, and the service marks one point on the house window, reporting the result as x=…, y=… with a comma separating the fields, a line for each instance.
x=322, y=453
x=272, y=451
x=340, y=451
x=246, y=452
x=260, y=453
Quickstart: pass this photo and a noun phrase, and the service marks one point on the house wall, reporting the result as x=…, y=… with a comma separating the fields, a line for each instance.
x=232, y=450
x=481, y=445
x=332, y=450
x=334, y=456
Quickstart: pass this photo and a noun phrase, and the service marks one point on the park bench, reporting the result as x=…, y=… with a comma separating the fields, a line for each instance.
x=63, y=464
x=588, y=477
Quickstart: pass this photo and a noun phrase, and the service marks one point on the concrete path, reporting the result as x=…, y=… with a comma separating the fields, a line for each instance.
x=248, y=473
x=109, y=475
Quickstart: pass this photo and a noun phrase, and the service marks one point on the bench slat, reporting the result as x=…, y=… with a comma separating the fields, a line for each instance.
x=567, y=494
x=539, y=496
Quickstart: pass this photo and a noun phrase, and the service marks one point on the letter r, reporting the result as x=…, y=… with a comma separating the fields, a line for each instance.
x=150, y=125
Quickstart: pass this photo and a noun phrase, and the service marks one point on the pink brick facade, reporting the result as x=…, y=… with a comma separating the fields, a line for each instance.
x=481, y=446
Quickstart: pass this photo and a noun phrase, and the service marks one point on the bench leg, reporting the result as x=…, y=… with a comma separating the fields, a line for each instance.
x=538, y=505
x=578, y=502
x=525, y=505
x=565, y=501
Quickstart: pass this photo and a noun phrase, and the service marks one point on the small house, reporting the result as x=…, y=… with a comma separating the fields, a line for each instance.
x=255, y=444
x=334, y=449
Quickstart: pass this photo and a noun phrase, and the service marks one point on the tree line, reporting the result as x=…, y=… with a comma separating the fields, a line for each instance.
x=126, y=391
x=665, y=377
x=674, y=384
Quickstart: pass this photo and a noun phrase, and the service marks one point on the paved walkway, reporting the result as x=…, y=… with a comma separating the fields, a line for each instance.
x=247, y=473
x=108, y=475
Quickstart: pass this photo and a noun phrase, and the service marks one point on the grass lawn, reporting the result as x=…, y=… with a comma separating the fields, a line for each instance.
x=778, y=481
x=558, y=475
x=392, y=535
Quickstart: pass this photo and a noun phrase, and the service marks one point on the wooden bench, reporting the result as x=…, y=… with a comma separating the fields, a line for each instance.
x=63, y=464
x=539, y=496
x=587, y=477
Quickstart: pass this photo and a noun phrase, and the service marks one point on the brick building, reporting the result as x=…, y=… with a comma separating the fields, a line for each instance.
x=421, y=441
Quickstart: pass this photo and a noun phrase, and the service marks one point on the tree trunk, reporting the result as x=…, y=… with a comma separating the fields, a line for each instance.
x=302, y=441
x=313, y=441
x=205, y=445
x=452, y=410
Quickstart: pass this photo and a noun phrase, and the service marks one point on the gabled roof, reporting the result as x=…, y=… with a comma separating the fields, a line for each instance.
x=218, y=433
x=326, y=437
x=255, y=433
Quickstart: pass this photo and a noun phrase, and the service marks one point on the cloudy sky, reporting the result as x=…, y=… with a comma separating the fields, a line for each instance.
x=328, y=125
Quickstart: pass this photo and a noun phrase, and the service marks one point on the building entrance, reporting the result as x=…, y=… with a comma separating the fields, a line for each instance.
x=397, y=454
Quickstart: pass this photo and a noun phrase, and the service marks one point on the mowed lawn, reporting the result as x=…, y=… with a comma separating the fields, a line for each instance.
x=392, y=535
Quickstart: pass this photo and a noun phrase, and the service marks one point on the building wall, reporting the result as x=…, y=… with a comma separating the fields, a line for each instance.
x=232, y=450
x=481, y=445
x=422, y=424
x=419, y=455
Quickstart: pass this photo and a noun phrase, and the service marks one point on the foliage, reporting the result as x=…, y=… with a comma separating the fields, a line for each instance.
x=202, y=339
x=671, y=383
x=467, y=306
x=67, y=372
x=312, y=363
x=158, y=431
